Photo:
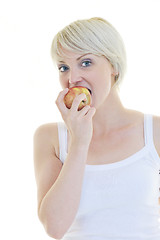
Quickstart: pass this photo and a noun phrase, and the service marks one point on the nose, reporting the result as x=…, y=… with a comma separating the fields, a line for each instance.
x=74, y=76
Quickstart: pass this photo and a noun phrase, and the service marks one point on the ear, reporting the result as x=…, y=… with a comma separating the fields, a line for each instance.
x=115, y=74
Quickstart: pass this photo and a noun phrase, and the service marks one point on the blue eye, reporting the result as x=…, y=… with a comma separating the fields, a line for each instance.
x=63, y=68
x=86, y=63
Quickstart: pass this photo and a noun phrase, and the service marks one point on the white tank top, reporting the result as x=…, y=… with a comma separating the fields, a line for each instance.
x=119, y=201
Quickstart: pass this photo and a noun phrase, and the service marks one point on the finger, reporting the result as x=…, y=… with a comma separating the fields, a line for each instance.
x=90, y=113
x=84, y=111
x=59, y=101
x=77, y=101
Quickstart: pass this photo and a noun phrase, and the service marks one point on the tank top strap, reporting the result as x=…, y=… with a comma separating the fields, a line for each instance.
x=149, y=140
x=148, y=130
x=62, y=135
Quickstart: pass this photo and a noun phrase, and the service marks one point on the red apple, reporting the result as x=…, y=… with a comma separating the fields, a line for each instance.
x=73, y=92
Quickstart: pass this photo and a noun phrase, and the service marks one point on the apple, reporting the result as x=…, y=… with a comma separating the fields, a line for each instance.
x=73, y=92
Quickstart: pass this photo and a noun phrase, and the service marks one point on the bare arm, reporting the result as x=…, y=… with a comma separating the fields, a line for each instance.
x=58, y=207
x=59, y=188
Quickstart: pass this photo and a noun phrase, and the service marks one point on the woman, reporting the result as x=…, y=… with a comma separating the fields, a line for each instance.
x=98, y=172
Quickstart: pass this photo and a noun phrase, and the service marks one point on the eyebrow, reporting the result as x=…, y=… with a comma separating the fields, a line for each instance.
x=83, y=56
x=77, y=58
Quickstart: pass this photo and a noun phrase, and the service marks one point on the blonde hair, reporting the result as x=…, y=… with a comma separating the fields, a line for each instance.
x=96, y=36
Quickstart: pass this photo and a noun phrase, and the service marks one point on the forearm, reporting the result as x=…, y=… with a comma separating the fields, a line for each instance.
x=59, y=207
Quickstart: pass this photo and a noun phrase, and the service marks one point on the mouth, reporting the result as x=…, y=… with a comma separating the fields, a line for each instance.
x=82, y=86
x=89, y=91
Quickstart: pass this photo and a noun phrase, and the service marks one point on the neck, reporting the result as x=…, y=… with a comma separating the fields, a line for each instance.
x=110, y=115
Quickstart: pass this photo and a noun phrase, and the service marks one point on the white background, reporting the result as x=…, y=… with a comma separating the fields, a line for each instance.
x=29, y=87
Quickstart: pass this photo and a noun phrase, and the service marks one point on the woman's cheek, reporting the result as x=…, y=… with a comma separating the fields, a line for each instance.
x=64, y=83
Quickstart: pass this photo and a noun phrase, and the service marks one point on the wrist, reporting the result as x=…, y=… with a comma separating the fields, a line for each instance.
x=79, y=146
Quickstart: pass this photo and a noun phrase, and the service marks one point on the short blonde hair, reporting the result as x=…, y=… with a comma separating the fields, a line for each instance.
x=96, y=36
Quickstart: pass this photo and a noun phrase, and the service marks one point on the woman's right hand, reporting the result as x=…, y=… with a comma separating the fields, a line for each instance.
x=79, y=123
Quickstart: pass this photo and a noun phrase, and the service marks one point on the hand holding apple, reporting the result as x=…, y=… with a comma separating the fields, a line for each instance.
x=73, y=92
x=79, y=123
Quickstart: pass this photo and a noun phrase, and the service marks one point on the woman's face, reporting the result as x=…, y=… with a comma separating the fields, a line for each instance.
x=87, y=70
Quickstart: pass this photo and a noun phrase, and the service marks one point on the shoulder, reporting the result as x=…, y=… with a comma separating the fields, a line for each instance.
x=47, y=135
x=156, y=132
x=46, y=129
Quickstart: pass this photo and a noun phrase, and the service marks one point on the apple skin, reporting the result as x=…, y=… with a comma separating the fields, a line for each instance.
x=73, y=92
